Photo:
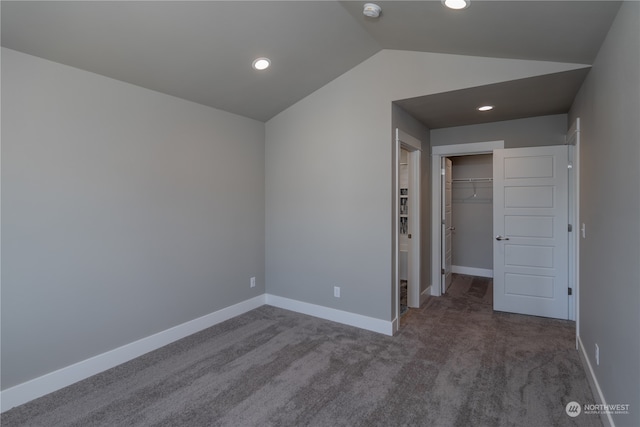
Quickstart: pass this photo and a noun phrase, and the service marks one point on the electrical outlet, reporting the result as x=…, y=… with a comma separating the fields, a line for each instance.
x=336, y=291
x=597, y=355
x=252, y=282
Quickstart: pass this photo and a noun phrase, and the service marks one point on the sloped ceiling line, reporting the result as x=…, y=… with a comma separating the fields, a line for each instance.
x=202, y=51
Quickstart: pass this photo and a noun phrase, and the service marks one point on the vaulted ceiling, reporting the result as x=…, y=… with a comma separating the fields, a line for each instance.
x=202, y=51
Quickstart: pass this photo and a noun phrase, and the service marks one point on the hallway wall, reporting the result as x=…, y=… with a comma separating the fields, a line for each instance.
x=528, y=132
x=608, y=105
x=329, y=176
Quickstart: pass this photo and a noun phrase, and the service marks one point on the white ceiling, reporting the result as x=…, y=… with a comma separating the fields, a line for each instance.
x=202, y=51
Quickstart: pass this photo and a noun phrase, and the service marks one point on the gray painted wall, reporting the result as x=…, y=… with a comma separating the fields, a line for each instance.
x=127, y=212
x=329, y=175
x=124, y=212
x=608, y=105
x=529, y=132
x=472, y=241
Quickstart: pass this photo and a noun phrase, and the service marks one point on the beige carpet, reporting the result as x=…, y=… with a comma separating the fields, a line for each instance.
x=454, y=363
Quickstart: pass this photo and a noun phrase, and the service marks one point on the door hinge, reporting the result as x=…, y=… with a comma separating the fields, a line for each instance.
x=570, y=291
x=442, y=271
x=442, y=172
x=570, y=228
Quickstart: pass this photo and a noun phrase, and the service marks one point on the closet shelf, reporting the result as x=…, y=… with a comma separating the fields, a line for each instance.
x=472, y=180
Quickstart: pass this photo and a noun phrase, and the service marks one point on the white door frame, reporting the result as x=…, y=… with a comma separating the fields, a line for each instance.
x=573, y=141
x=437, y=153
x=445, y=229
x=414, y=147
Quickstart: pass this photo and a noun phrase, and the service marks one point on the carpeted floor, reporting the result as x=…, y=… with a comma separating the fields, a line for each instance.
x=454, y=363
x=404, y=307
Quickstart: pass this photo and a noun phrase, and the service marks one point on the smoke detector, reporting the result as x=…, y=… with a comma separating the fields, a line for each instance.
x=372, y=10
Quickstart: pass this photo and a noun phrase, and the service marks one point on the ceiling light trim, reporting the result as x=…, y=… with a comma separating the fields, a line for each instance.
x=456, y=4
x=261, y=63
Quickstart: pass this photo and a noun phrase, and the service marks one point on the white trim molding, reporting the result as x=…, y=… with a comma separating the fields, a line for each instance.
x=470, y=148
x=358, y=320
x=437, y=153
x=414, y=146
x=407, y=139
x=48, y=383
x=472, y=271
x=573, y=142
x=606, y=419
x=424, y=294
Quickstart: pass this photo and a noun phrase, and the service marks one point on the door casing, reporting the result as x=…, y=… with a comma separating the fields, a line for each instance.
x=573, y=141
x=437, y=153
x=447, y=252
x=414, y=147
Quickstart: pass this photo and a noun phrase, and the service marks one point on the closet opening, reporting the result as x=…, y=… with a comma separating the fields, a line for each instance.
x=462, y=213
x=469, y=214
x=467, y=241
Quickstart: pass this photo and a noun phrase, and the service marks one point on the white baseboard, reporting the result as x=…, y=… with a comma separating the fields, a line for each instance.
x=48, y=383
x=364, y=322
x=424, y=294
x=607, y=421
x=472, y=271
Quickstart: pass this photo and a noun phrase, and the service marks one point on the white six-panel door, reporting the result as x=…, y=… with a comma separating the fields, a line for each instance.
x=530, y=216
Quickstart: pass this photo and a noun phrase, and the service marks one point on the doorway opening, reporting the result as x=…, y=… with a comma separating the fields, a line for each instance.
x=467, y=243
x=406, y=219
x=403, y=229
x=468, y=214
x=441, y=264
x=528, y=212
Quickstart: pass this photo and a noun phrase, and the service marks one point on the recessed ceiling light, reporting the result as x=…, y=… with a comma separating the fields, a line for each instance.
x=457, y=4
x=372, y=10
x=485, y=108
x=261, y=64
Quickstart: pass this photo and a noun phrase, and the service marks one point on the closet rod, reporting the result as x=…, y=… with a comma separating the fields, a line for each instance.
x=472, y=179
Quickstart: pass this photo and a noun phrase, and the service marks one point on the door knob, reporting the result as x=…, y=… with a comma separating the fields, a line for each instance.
x=499, y=237
x=452, y=228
